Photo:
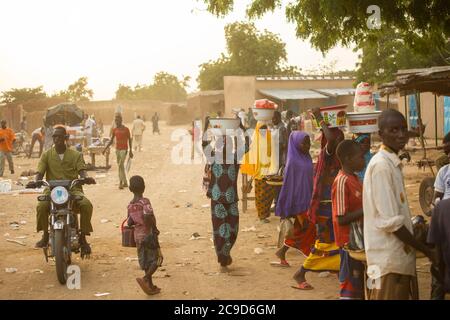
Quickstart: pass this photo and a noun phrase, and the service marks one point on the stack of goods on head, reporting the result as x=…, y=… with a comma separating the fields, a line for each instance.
x=222, y=126
x=264, y=110
x=365, y=118
x=334, y=116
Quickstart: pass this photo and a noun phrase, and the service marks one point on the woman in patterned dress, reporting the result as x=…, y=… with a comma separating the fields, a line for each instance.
x=223, y=193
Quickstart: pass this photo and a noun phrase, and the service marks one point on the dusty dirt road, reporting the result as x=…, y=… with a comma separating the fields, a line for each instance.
x=190, y=270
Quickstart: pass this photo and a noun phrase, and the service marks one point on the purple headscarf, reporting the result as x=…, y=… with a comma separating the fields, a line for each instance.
x=296, y=192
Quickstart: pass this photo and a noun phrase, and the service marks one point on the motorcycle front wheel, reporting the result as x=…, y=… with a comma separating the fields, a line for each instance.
x=60, y=260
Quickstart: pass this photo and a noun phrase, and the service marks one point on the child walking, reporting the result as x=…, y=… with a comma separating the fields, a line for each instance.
x=140, y=214
x=347, y=204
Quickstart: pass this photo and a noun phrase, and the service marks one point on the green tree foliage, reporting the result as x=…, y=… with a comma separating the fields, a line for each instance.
x=249, y=52
x=165, y=87
x=23, y=95
x=380, y=60
x=77, y=91
x=420, y=23
x=412, y=33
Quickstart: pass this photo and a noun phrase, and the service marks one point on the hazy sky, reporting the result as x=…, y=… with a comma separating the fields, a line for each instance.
x=54, y=42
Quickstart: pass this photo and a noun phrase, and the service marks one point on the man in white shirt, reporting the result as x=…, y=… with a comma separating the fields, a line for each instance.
x=137, y=131
x=442, y=182
x=88, y=129
x=388, y=232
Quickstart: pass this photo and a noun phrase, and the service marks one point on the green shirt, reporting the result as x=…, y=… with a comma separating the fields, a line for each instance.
x=57, y=169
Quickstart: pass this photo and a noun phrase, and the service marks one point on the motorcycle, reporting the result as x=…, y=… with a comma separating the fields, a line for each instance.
x=64, y=229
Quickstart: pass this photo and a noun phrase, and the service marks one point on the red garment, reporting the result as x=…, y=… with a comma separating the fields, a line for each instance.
x=136, y=212
x=303, y=236
x=8, y=138
x=324, y=162
x=346, y=194
x=122, y=136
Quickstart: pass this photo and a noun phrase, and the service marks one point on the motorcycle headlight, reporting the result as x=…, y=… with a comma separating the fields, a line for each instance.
x=59, y=195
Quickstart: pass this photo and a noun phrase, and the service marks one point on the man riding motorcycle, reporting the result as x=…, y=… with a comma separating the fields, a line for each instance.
x=63, y=163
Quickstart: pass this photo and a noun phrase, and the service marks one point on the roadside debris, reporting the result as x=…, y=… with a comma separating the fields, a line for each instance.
x=16, y=242
x=129, y=259
x=206, y=205
x=258, y=251
x=14, y=225
x=37, y=271
x=324, y=274
x=189, y=205
x=11, y=270
x=250, y=229
x=105, y=220
x=102, y=294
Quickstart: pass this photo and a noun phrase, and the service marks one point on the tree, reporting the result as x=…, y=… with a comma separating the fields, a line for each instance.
x=77, y=91
x=23, y=95
x=165, y=87
x=420, y=23
x=380, y=60
x=249, y=52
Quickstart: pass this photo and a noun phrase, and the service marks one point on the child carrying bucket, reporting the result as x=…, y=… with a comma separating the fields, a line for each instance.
x=140, y=215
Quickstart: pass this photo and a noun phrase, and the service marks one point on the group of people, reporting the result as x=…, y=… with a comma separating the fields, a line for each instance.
x=350, y=201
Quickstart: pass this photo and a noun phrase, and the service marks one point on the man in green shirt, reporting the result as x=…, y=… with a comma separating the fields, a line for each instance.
x=62, y=163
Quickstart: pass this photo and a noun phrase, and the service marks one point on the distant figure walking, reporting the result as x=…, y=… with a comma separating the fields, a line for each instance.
x=155, y=120
x=137, y=131
x=123, y=139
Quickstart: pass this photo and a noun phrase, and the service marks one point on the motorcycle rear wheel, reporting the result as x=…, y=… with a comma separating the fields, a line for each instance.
x=60, y=261
x=426, y=193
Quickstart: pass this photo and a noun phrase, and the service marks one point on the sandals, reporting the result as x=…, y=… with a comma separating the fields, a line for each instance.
x=146, y=288
x=303, y=286
x=281, y=263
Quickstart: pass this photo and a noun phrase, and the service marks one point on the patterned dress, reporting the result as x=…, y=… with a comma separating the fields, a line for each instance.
x=223, y=192
x=224, y=209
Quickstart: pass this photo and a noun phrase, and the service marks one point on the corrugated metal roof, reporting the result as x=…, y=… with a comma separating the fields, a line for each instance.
x=335, y=92
x=292, y=94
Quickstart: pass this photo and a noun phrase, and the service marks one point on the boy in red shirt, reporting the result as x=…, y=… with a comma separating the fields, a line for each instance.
x=347, y=204
x=123, y=138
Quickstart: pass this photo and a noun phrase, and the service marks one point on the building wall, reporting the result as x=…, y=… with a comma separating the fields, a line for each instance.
x=242, y=91
x=239, y=93
x=427, y=109
x=200, y=105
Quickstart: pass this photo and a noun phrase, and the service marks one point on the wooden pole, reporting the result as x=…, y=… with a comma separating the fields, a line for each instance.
x=419, y=123
x=435, y=121
x=406, y=110
x=387, y=102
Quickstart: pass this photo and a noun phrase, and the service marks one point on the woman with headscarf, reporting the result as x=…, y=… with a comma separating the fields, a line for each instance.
x=295, y=195
x=259, y=163
x=364, y=140
x=222, y=190
x=324, y=255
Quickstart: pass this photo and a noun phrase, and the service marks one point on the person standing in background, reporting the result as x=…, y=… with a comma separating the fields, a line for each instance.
x=37, y=135
x=137, y=131
x=7, y=138
x=89, y=124
x=123, y=137
x=155, y=120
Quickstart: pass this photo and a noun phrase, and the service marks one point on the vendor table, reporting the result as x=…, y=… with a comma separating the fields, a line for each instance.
x=98, y=150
